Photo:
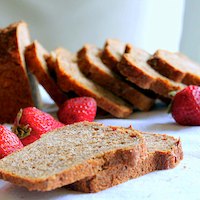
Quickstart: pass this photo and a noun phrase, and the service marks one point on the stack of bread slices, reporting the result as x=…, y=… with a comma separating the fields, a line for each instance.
x=89, y=157
x=119, y=76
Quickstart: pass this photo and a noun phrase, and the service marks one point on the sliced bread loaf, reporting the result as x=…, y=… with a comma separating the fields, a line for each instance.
x=70, y=77
x=36, y=63
x=15, y=92
x=135, y=68
x=164, y=152
x=71, y=153
x=176, y=66
x=91, y=65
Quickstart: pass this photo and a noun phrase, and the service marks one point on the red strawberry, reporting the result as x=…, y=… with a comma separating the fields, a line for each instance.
x=186, y=106
x=77, y=109
x=9, y=142
x=31, y=123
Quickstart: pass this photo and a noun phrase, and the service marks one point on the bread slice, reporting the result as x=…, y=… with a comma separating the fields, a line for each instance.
x=164, y=152
x=111, y=56
x=176, y=66
x=71, y=78
x=91, y=65
x=112, y=53
x=71, y=153
x=135, y=68
x=15, y=92
x=35, y=61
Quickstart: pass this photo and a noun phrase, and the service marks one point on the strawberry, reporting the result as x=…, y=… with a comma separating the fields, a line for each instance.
x=31, y=123
x=9, y=142
x=185, y=106
x=77, y=109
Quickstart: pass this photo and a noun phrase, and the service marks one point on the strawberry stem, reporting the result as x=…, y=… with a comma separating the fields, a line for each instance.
x=21, y=130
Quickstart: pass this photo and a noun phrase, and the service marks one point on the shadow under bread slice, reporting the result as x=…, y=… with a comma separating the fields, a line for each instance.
x=164, y=152
x=72, y=153
x=70, y=78
x=90, y=63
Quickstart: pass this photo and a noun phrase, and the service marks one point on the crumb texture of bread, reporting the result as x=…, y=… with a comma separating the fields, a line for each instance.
x=164, y=152
x=15, y=92
x=176, y=66
x=135, y=68
x=70, y=78
x=35, y=60
x=71, y=153
x=90, y=63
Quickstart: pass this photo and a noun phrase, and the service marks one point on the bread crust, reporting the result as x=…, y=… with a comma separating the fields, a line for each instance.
x=15, y=90
x=126, y=156
x=157, y=160
x=70, y=78
x=35, y=60
x=91, y=65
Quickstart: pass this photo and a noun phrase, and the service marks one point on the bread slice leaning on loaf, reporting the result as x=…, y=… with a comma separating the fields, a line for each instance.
x=92, y=66
x=72, y=153
x=176, y=66
x=70, y=78
x=164, y=152
x=35, y=61
x=135, y=68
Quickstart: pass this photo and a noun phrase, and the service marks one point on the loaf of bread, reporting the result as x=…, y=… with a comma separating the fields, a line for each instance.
x=72, y=153
x=164, y=152
x=89, y=61
x=15, y=92
x=176, y=66
x=70, y=78
x=135, y=68
x=35, y=61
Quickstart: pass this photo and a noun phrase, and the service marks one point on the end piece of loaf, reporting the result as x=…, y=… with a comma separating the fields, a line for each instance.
x=15, y=92
x=91, y=65
x=134, y=66
x=35, y=61
x=71, y=153
x=70, y=78
x=164, y=152
x=176, y=66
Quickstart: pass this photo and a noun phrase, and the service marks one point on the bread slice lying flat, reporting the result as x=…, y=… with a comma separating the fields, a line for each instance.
x=176, y=66
x=36, y=63
x=164, y=152
x=70, y=78
x=71, y=153
x=91, y=65
x=135, y=68
x=15, y=92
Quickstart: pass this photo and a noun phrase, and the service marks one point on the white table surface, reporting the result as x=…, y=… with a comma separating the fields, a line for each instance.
x=182, y=182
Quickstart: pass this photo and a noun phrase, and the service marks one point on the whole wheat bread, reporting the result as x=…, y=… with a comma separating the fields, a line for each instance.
x=91, y=65
x=164, y=152
x=15, y=92
x=135, y=68
x=35, y=60
x=70, y=78
x=72, y=153
x=176, y=66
